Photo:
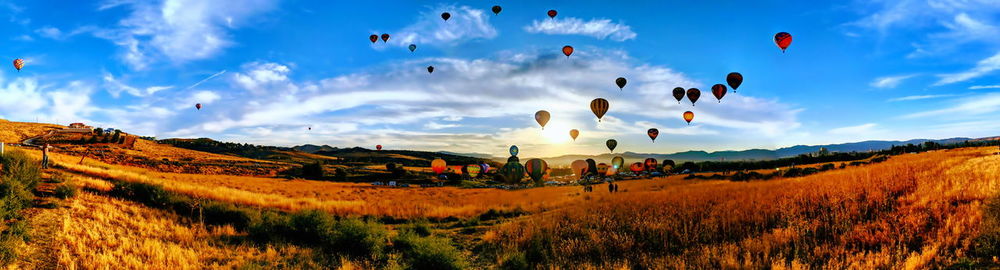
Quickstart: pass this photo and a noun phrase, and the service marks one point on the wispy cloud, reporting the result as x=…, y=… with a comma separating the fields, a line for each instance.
x=918, y=97
x=944, y=26
x=116, y=87
x=976, y=87
x=217, y=74
x=965, y=107
x=596, y=28
x=890, y=81
x=983, y=67
x=465, y=24
x=854, y=130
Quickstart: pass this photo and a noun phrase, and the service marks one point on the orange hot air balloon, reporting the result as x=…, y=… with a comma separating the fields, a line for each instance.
x=197, y=106
x=734, y=79
x=783, y=40
x=679, y=94
x=573, y=133
x=719, y=91
x=385, y=38
x=567, y=50
x=693, y=95
x=373, y=38
x=599, y=107
x=688, y=116
x=552, y=13
x=542, y=117
x=378, y=147
x=438, y=165
x=18, y=64
x=653, y=133
x=637, y=167
x=602, y=169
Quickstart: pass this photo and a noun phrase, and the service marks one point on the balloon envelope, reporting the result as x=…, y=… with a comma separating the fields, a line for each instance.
x=637, y=167
x=617, y=162
x=536, y=169
x=578, y=167
x=542, y=117
x=430, y=69
x=783, y=40
x=385, y=38
x=378, y=147
x=373, y=38
x=438, y=165
x=688, y=116
x=679, y=94
x=567, y=50
x=693, y=95
x=473, y=170
x=18, y=64
x=612, y=143
x=496, y=10
x=734, y=79
x=620, y=82
x=573, y=133
x=599, y=107
x=197, y=106
x=552, y=13
x=446, y=16
x=512, y=172
x=412, y=47
x=650, y=164
x=602, y=169
x=513, y=150
x=653, y=133
x=591, y=166
x=719, y=91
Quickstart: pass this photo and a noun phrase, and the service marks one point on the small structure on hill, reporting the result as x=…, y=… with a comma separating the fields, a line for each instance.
x=77, y=128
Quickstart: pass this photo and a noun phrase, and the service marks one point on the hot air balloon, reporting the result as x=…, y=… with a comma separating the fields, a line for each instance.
x=385, y=38
x=621, y=81
x=513, y=150
x=310, y=128
x=602, y=169
x=617, y=162
x=552, y=13
x=536, y=169
x=412, y=47
x=542, y=117
x=573, y=133
x=373, y=38
x=599, y=106
x=688, y=116
x=496, y=10
x=567, y=50
x=653, y=133
x=578, y=167
x=591, y=166
x=693, y=95
x=637, y=167
x=611, y=171
x=783, y=39
x=719, y=91
x=486, y=167
x=197, y=106
x=679, y=94
x=378, y=147
x=430, y=69
x=446, y=16
x=513, y=171
x=668, y=165
x=650, y=164
x=18, y=64
x=438, y=165
x=734, y=79
x=472, y=170
x=612, y=143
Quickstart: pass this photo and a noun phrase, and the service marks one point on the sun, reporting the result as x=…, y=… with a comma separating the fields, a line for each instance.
x=556, y=133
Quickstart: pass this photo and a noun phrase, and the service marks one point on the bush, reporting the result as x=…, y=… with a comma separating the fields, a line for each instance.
x=516, y=261
x=65, y=190
x=219, y=213
x=429, y=252
x=312, y=171
x=987, y=244
x=148, y=194
x=18, y=179
x=359, y=238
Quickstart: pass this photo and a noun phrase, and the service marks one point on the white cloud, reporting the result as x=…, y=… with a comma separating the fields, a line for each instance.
x=983, y=67
x=465, y=24
x=217, y=74
x=890, y=81
x=976, y=87
x=945, y=25
x=115, y=87
x=854, y=130
x=177, y=30
x=918, y=97
x=50, y=32
x=436, y=125
x=965, y=107
x=596, y=28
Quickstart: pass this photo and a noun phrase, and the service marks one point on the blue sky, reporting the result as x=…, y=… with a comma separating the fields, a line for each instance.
x=266, y=70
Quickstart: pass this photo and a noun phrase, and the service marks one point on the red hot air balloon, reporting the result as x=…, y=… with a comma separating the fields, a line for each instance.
x=378, y=147
x=653, y=133
x=446, y=16
x=552, y=13
x=734, y=79
x=197, y=106
x=637, y=167
x=438, y=165
x=693, y=95
x=567, y=50
x=385, y=38
x=719, y=91
x=783, y=40
x=373, y=38
x=688, y=116
x=18, y=64
x=650, y=164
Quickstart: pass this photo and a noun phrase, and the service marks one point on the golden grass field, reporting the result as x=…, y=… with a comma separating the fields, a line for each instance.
x=914, y=211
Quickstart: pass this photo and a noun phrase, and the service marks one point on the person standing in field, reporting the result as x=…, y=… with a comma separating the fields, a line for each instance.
x=45, y=156
x=611, y=187
x=616, y=187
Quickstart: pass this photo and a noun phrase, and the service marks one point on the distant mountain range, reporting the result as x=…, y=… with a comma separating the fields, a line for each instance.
x=752, y=154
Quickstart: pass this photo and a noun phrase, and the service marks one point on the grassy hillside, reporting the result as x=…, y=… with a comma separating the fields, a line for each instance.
x=15, y=132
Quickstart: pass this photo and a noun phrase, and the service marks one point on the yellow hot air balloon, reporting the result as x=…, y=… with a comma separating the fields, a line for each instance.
x=573, y=133
x=542, y=117
x=438, y=165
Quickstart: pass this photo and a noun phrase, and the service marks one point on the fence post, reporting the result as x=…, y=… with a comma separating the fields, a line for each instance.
x=1, y=147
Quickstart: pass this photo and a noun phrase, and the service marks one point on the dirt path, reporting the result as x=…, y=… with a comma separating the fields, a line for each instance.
x=47, y=218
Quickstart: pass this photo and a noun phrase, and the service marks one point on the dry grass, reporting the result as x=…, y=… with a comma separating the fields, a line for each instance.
x=15, y=132
x=914, y=211
x=101, y=232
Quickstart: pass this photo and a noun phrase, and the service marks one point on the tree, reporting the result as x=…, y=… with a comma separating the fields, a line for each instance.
x=312, y=170
x=115, y=136
x=339, y=175
x=99, y=131
x=93, y=139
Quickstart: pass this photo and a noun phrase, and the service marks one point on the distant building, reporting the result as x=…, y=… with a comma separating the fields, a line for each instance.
x=77, y=128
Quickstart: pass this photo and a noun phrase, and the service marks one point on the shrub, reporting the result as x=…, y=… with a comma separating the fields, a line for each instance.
x=421, y=228
x=18, y=179
x=148, y=194
x=429, y=252
x=219, y=213
x=826, y=167
x=987, y=244
x=312, y=171
x=516, y=261
x=65, y=190
x=359, y=238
